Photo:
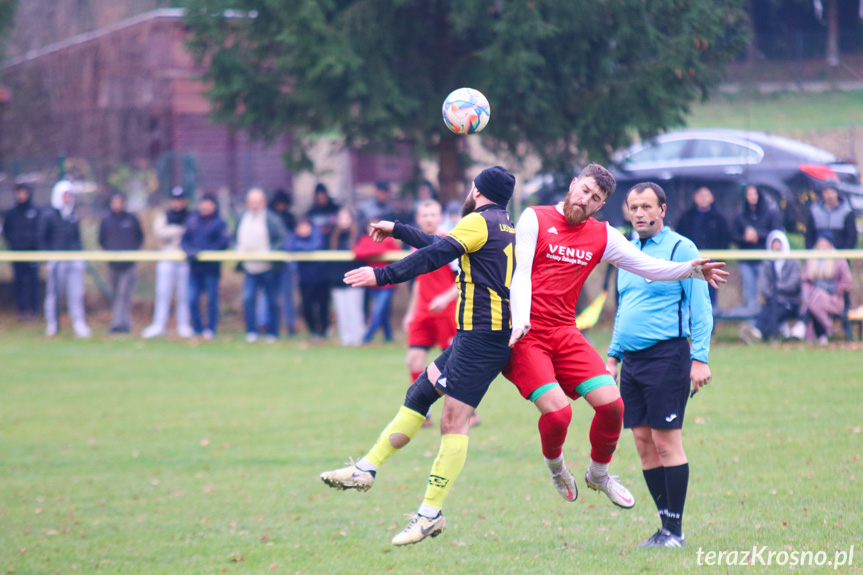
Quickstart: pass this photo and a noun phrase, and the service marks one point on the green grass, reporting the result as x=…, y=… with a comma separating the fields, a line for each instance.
x=164, y=457
x=780, y=113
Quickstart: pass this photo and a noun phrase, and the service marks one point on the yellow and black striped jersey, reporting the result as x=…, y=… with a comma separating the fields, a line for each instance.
x=486, y=239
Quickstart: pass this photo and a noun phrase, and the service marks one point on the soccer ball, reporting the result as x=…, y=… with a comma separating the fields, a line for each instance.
x=466, y=111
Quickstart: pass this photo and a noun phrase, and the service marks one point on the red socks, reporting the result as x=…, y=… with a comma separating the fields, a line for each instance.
x=552, y=431
x=605, y=430
x=416, y=374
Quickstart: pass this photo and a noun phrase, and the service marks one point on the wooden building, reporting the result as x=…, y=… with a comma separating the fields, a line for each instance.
x=129, y=94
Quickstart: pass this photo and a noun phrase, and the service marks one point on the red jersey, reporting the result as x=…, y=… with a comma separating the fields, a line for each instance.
x=431, y=285
x=564, y=257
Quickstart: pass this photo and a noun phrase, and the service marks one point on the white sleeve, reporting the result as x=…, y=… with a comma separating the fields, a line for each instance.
x=526, y=232
x=626, y=256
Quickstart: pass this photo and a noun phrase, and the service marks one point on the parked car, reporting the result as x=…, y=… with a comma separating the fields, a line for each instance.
x=790, y=174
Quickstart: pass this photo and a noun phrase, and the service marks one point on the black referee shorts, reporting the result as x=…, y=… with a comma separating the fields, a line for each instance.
x=654, y=385
x=471, y=363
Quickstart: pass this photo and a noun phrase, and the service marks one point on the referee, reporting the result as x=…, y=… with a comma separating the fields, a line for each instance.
x=653, y=322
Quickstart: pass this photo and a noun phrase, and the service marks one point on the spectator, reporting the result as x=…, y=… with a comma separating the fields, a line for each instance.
x=281, y=205
x=825, y=283
x=172, y=277
x=425, y=192
x=706, y=227
x=205, y=230
x=832, y=214
x=21, y=230
x=260, y=230
x=323, y=212
x=451, y=216
x=779, y=283
x=366, y=249
x=378, y=207
x=60, y=229
x=348, y=301
x=751, y=226
x=121, y=231
x=314, y=289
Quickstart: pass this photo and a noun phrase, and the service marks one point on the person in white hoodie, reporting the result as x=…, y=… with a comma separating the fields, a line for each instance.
x=779, y=286
x=60, y=229
x=172, y=277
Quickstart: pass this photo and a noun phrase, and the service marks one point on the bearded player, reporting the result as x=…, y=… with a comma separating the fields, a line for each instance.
x=557, y=247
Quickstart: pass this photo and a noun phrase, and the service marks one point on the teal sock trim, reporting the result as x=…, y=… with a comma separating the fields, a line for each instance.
x=536, y=393
x=596, y=382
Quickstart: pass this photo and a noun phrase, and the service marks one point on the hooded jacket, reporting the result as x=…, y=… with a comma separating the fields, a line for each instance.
x=21, y=227
x=780, y=281
x=59, y=226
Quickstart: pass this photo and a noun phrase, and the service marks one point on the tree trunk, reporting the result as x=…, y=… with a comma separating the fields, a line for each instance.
x=450, y=173
x=832, y=33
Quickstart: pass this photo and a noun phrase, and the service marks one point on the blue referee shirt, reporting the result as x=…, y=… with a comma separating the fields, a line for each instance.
x=649, y=312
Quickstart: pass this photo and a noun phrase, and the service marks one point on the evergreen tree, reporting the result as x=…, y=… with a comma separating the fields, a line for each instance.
x=567, y=80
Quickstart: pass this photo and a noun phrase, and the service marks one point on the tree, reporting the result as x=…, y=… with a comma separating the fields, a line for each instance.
x=566, y=80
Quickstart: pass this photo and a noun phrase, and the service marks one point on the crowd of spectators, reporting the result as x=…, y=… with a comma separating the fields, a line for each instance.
x=780, y=298
x=269, y=287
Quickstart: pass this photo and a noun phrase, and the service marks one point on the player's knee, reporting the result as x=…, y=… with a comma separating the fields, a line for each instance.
x=559, y=419
x=415, y=359
x=613, y=409
x=644, y=446
x=421, y=394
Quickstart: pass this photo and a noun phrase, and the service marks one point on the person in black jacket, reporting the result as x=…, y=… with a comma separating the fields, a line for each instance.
x=60, y=230
x=706, y=227
x=21, y=230
x=751, y=226
x=323, y=212
x=121, y=231
x=205, y=230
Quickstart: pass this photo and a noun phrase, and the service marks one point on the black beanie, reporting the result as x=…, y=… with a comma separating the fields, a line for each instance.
x=496, y=184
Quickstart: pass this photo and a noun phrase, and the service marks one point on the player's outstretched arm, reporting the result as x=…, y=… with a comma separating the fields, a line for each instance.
x=420, y=262
x=626, y=256
x=407, y=234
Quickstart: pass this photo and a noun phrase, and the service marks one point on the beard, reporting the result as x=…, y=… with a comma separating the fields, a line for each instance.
x=574, y=215
x=468, y=207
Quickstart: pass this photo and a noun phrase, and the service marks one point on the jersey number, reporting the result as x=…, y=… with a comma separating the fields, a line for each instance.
x=510, y=263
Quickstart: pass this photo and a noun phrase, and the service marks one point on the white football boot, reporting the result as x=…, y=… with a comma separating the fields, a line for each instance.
x=350, y=477
x=419, y=528
x=617, y=493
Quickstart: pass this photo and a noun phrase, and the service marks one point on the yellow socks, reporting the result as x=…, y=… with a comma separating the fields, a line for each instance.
x=406, y=422
x=449, y=463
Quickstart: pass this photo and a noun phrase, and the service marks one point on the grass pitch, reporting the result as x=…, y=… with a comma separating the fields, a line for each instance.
x=123, y=456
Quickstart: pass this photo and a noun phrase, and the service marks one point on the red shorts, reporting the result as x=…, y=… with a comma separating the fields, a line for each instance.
x=560, y=355
x=428, y=330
